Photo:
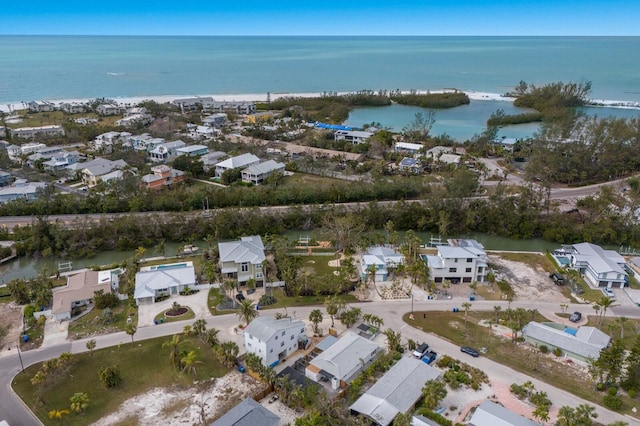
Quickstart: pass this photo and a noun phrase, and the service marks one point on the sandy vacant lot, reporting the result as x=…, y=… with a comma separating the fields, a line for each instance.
x=11, y=321
x=527, y=282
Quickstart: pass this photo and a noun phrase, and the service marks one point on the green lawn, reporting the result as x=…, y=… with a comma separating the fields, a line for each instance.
x=35, y=119
x=288, y=302
x=186, y=316
x=36, y=335
x=611, y=326
x=450, y=326
x=92, y=324
x=144, y=365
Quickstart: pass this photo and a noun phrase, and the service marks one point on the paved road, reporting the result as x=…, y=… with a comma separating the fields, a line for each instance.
x=12, y=409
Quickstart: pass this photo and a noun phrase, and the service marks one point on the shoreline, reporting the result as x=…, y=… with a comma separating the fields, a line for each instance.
x=253, y=97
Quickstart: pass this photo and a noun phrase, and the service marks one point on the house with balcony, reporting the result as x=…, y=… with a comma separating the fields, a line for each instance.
x=355, y=137
x=44, y=154
x=106, y=142
x=381, y=259
x=215, y=120
x=135, y=120
x=108, y=109
x=242, y=260
x=257, y=173
x=41, y=106
x=17, y=152
x=237, y=162
x=600, y=267
x=163, y=280
x=73, y=107
x=166, y=151
x=163, y=176
x=192, y=104
x=460, y=261
x=408, y=148
x=100, y=169
x=272, y=339
x=61, y=161
x=192, y=150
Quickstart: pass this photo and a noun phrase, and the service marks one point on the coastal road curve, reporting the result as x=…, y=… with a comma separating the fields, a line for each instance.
x=16, y=413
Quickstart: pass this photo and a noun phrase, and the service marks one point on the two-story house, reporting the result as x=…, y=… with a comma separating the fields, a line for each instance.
x=600, y=268
x=273, y=339
x=460, y=261
x=257, y=173
x=237, y=162
x=162, y=177
x=356, y=137
x=242, y=260
x=166, y=151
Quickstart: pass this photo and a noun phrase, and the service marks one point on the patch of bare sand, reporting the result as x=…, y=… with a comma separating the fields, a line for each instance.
x=199, y=404
x=528, y=283
x=11, y=321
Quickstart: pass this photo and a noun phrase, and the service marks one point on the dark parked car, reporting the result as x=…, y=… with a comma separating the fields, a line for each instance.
x=470, y=351
x=557, y=278
x=240, y=297
x=575, y=317
x=421, y=350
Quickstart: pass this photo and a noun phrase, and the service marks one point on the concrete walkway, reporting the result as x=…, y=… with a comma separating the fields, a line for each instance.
x=196, y=302
x=55, y=332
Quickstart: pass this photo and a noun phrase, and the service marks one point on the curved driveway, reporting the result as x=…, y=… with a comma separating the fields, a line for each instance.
x=13, y=410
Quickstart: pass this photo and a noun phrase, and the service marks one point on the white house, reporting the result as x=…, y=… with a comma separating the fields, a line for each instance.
x=163, y=280
x=409, y=148
x=108, y=109
x=73, y=107
x=257, y=173
x=356, y=137
x=273, y=339
x=15, y=152
x=343, y=361
x=31, y=132
x=460, y=261
x=61, y=160
x=134, y=120
x=166, y=151
x=242, y=259
x=238, y=162
x=396, y=392
x=601, y=268
x=41, y=106
x=384, y=259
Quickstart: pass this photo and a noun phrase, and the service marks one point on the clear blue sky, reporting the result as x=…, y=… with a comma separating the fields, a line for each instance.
x=300, y=17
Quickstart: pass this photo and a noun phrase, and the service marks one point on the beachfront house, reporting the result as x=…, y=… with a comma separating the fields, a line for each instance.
x=41, y=106
x=396, y=392
x=343, y=361
x=273, y=339
x=238, y=162
x=382, y=260
x=80, y=291
x=459, y=261
x=241, y=260
x=108, y=109
x=163, y=280
x=192, y=104
x=600, y=267
x=579, y=344
x=230, y=106
x=257, y=173
x=163, y=176
x=73, y=107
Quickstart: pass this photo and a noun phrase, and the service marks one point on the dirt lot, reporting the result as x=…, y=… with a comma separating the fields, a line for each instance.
x=11, y=322
x=527, y=282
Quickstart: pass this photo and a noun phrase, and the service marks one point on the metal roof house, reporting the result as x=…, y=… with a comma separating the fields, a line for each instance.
x=587, y=342
x=238, y=162
x=601, y=268
x=257, y=173
x=163, y=280
x=396, y=392
x=492, y=414
x=343, y=360
x=273, y=339
x=248, y=413
x=460, y=261
x=384, y=259
x=242, y=259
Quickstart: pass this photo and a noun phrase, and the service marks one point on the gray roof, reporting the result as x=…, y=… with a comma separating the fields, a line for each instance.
x=239, y=161
x=344, y=355
x=492, y=414
x=248, y=413
x=262, y=328
x=262, y=168
x=422, y=421
x=600, y=260
x=248, y=249
x=326, y=343
x=148, y=282
x=586, y=343
x=102, y=166
x=397, y=391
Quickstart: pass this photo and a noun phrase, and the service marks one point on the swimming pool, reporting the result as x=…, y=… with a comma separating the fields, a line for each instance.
x=562, y=260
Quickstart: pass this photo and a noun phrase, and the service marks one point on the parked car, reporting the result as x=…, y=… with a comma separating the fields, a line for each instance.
x=240, y=297
x=421, y=350
x=429, y=357
x=470, y=351
x=557, y=278
x=575, y=317
x=609, y=293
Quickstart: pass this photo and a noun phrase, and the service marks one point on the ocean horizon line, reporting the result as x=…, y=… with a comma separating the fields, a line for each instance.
x=519, y=36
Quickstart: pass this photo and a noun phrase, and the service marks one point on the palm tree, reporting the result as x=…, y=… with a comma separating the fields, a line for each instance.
x=371, y=276
x=174, y=349
x=466, y=306
x=334, y=306
x=433, y=392
x=622, y=321
x=91, y=345
x=604, y=303
x=497, y=309
x=199, y=327
x=211, y=337
x=79, y=402
x=315, y=317
x=247, y=311
x=253, y=361
x=227, y=353
x=445, y=286
x=131, y=329
x=229, y=287
x=189, y=362
x=393, y=339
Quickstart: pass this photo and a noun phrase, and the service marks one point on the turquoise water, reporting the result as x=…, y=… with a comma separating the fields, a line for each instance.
x=60, y=67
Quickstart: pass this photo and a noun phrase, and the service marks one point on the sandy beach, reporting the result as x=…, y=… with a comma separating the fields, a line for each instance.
x=262, y=97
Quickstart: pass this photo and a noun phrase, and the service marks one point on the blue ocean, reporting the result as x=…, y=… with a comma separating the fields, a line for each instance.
x=67, y=67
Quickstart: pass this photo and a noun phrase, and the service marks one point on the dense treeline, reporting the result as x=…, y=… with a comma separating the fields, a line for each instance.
x=497, y=119
x=187, y=199
x=519, y=217
x=432, y=100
